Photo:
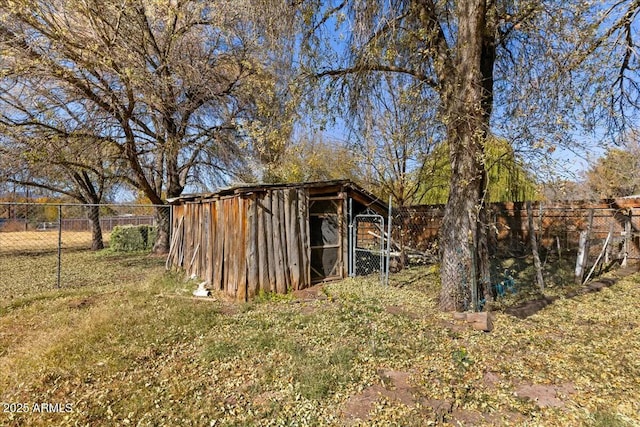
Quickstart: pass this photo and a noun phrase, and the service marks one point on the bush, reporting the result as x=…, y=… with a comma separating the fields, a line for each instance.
x=130, y=238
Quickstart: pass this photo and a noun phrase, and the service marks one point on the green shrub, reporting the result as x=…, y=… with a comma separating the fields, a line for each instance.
x=131, y=238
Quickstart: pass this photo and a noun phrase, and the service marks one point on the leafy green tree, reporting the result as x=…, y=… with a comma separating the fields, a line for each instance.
x=507, y=177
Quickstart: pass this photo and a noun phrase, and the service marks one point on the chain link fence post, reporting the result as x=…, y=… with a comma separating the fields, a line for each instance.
x=59, y=259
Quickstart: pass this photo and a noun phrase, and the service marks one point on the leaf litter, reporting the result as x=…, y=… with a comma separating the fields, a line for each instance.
x=353, y=353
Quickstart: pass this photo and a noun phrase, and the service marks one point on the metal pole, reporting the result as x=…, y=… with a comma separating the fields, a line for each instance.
x=170, y=223
x=386, y=278
x=59, y=245
x=351, y=240
x=474, y=281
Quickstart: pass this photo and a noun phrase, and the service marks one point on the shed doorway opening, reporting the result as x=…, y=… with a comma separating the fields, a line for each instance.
x=326, y=230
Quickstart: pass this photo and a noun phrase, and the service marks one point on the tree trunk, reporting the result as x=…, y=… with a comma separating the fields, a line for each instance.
x=467, y=100
x=163, y=221
x=458, y=234
x=483, y=249
x=93, y=213
x=534, y=248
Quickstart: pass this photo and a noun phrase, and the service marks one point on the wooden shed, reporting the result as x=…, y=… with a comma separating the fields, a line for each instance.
x=269, y=237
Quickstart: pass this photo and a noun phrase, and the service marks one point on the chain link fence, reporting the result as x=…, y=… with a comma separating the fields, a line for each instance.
x=576, y=241
x=558, y=228
x=46, y=237
x=368, y=249
x=42, y=237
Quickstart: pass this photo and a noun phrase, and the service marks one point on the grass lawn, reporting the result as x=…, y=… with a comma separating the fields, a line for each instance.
x=126, y=344
x=45, y=241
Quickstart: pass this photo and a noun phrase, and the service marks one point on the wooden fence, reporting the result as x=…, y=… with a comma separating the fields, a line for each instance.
x=558, y=225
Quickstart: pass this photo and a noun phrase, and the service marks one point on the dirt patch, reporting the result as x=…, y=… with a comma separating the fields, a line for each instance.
x=311, y=293
x=399, y=311
x=360, y=405
x=82, y=303
x=395, y=386
x=491, y=379
x=453, y=328
x=308, y=295
x=546, y=396
x=267, y=398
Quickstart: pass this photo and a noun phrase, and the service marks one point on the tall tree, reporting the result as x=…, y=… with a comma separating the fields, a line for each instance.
x=169, y=84
x=315, y=158
x=484, y=66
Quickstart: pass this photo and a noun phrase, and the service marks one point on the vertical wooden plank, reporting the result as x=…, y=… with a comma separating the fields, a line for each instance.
x=218, y=263
x=180, y=242
x=252, y=247
x=189, y=243
x=293, y=238
x=305, y=242
x=183, y=242
x=227, y=238
x=187, y=236
x=212, y=241
x=284, y=266
x=283, y=199
x=342, y=229
x=193, y=244
x=195, y=238
x=277, y=243
x=262, y=260
x=534, y=247
x=232, y=236
x=241, y=249
x=204, y=239
x=268, y=232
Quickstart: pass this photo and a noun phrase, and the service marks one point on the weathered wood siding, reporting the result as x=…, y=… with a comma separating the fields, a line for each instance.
x=245, y=243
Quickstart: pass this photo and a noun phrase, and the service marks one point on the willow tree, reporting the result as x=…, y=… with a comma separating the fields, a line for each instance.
x=170, y=85
x=508, y=179
x=484, y=66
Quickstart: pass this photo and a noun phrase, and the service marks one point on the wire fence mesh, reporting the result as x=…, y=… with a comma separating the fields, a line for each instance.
x=369, y=253
x=557, y=226
x=39, y=236
x=576, y=241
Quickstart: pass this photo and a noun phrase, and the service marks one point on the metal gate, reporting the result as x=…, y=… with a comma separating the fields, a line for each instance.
x=368, y=253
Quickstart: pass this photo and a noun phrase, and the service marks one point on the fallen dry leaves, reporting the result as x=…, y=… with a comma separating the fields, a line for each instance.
x=356, y=353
